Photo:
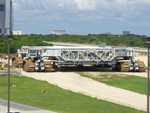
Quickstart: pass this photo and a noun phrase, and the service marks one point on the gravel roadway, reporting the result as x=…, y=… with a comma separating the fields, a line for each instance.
x=142, y=74
x=74, y=82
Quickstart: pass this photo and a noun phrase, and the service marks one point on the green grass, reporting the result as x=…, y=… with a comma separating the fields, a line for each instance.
x=46, y=96
x=133, y=83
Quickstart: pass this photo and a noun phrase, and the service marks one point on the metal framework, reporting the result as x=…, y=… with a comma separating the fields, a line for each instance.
x=78, y=55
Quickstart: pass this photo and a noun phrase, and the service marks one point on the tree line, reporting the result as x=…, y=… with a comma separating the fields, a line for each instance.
x=102, y=39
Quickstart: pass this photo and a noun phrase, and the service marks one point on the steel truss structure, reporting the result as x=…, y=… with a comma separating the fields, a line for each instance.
x=79, y=55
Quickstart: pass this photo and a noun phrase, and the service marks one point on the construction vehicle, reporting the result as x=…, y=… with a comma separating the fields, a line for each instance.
x=17, y=61
x=51, y=58
x=30, y=60
x=4, y=62
x=1, y=66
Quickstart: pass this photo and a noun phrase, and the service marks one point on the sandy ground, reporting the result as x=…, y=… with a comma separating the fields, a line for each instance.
x=20, y=108
x=74, y=82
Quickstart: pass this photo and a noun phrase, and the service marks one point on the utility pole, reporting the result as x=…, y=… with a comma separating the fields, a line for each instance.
x=9, y=84
x=147, y=43
x=8, y=52
x=8, y=34
x=148, y=96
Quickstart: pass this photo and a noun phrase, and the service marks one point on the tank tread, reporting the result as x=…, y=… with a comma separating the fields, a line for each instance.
x=124, y=67
x=142, y=67
x=29, y=66
x=50, y=67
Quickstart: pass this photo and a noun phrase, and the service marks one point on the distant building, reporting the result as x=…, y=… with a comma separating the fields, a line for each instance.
x=5, y=17
x=58, y=32
x=108, y=33
x=126, y=32
x=17, y=33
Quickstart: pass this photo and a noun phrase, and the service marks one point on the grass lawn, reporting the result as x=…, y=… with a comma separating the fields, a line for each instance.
x=46, y=96
x=133, y=83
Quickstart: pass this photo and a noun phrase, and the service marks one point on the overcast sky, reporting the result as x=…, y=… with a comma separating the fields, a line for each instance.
x=82, y=16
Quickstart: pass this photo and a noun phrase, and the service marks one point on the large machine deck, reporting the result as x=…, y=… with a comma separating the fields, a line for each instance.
x=63, y=56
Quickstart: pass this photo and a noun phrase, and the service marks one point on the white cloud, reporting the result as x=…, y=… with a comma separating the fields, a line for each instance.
x=85, y=4
x=75, y=9
x=80, y=4
x=97, y=8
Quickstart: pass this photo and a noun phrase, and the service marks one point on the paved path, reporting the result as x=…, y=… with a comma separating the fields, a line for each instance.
x=74, y=82
x=20, y=108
